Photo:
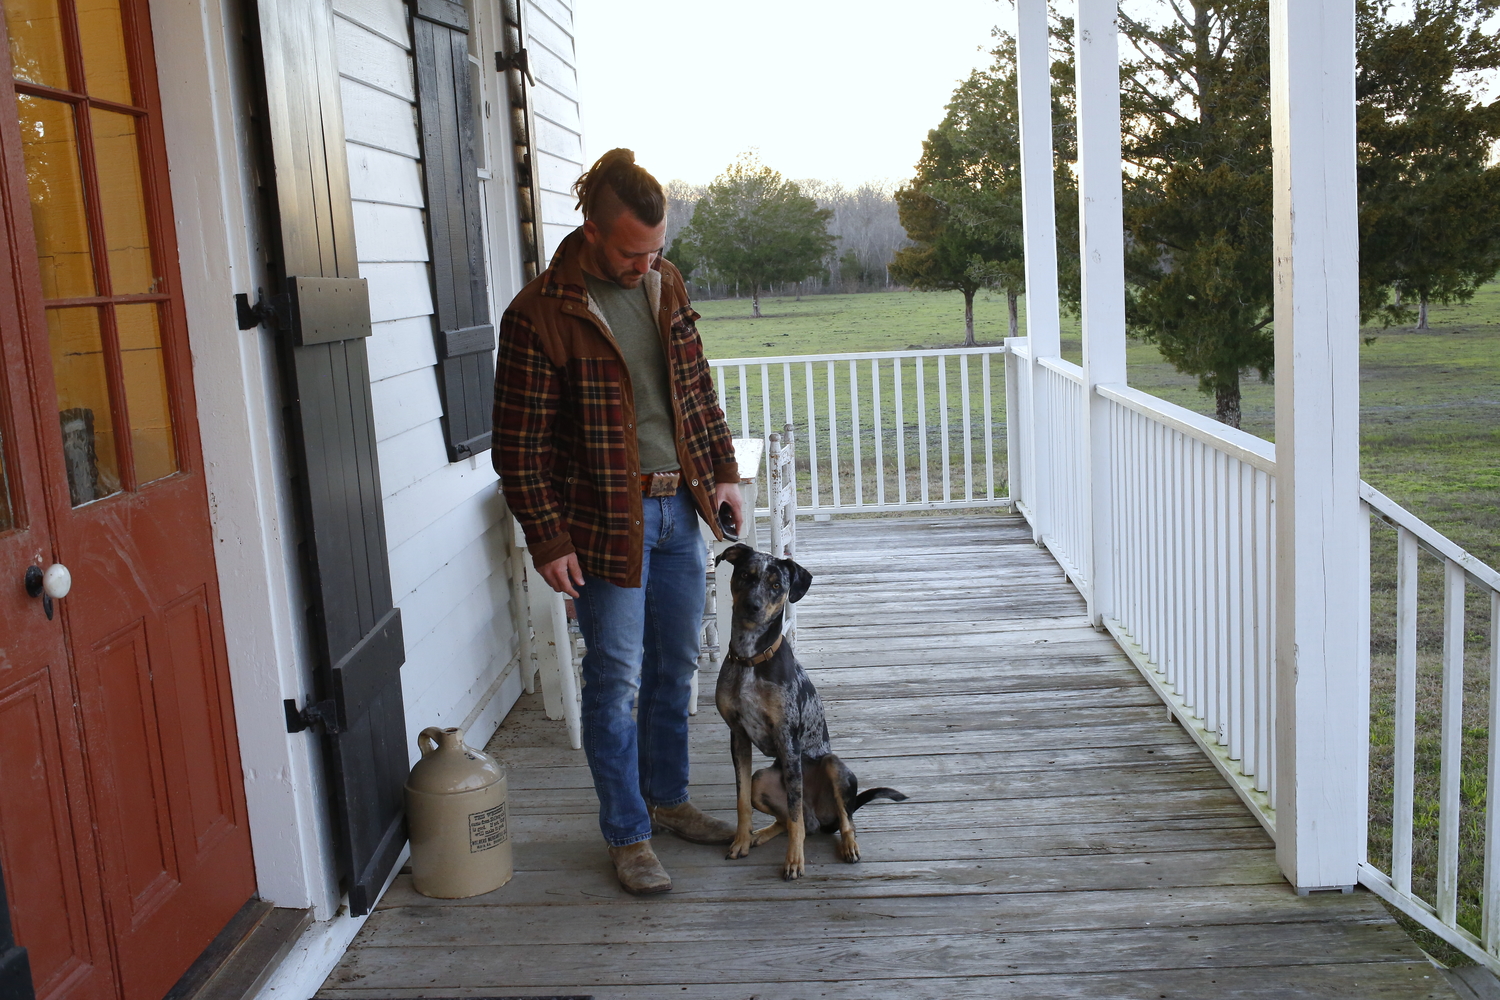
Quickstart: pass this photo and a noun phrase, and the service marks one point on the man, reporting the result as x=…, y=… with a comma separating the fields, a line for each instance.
x=610, y=445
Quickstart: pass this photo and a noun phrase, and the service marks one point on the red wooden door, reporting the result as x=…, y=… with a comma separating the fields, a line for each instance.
x=105, y=377
x=46, y=840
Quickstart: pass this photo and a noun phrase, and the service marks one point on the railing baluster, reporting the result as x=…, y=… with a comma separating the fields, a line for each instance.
x=1490, y=932
x=1405, y=753
x=989, y=432
x=765, y=413
x=879, y=431
x=900, y=432
x=833, y=436
x=812, y=432
x=963, y=379
x=744, y=405
x=856, y=426
x=942, y=367
x=786, y=396
x=922, y=424
x=1450, y=775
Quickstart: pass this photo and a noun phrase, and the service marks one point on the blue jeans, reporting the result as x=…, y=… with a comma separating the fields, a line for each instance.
x=643, y=649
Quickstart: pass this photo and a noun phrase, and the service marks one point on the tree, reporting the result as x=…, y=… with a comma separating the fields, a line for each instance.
x=1195, y=102
x=963, y=209
x=754, y=226
x=1429, y=197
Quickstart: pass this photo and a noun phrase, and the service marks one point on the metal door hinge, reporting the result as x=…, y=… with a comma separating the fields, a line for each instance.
x=266, y=311
x=520, y=61
x=319, y=713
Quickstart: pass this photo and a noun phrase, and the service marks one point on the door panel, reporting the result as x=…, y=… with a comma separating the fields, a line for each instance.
x=42, y=866
x=118, y=718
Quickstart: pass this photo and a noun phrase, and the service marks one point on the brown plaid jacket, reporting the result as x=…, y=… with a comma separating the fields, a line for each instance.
x=563, y=401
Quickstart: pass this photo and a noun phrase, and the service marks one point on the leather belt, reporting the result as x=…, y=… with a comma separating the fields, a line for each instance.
x=660, y=484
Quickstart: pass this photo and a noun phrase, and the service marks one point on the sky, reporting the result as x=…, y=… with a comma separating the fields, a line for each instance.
x=837, y=90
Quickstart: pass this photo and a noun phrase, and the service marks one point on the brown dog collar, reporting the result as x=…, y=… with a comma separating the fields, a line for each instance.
x=765, y=655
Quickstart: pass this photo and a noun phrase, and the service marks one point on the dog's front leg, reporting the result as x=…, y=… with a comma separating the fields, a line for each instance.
x=796, y=822
x=739, y=752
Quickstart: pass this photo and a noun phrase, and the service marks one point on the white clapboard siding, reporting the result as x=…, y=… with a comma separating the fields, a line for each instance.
x=446, y=531
x=373, y=59
x=417, y=560
x=408, y=458
x=398, y=289
x=401, y=345
x=382, y=178
x=389, y=233
x=386, y=18
x=417, y=506
x=375, y=118
x=554, y=103
x=404, y=401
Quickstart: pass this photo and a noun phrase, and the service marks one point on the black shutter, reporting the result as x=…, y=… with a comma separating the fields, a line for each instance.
x=455, y=228
x=15, y=970
x=324, y=316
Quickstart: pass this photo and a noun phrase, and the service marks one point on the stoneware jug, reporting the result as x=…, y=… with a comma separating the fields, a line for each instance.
x=456, y=814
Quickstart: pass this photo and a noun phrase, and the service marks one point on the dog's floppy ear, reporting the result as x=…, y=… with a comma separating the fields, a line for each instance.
x=801, y=579
x=734, y=553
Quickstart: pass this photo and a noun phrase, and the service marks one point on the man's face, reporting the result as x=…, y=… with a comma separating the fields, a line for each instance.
x=627, y=251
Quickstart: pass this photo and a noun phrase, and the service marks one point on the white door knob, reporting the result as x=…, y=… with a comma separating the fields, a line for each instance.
x=57, y=581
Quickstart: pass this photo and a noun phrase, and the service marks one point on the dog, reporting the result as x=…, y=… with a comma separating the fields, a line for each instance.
x=769, y=702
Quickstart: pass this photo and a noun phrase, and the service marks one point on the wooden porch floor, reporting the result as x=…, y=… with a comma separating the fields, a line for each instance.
x=1063, y=838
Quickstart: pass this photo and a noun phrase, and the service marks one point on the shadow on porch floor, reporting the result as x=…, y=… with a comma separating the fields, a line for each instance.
x=1063, y=838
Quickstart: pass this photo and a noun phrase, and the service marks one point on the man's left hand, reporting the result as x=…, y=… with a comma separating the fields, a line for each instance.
x=730, y=493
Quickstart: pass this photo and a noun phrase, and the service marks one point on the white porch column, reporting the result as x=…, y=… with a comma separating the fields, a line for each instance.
x=1102, y=245
x=1321, y=731
x=1034, y=83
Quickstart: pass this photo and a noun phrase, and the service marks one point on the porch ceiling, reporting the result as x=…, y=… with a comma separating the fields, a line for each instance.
x=1063, y=838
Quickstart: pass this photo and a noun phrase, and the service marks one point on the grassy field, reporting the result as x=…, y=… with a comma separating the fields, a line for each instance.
x=1430, y=439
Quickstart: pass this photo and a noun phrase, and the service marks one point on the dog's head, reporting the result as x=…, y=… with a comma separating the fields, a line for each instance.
x=762, y=588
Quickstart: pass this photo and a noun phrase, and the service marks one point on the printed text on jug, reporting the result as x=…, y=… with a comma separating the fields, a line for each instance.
x=487, y=829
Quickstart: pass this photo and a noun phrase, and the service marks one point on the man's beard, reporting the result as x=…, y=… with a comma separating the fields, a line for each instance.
x=626, y=277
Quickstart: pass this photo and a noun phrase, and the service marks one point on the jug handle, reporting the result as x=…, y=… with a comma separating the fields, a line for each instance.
x=427, y=740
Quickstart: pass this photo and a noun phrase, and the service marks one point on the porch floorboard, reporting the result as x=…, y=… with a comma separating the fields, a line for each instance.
x=1063, y=838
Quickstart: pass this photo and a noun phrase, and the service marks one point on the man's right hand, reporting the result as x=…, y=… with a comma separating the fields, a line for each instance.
x=562, y=575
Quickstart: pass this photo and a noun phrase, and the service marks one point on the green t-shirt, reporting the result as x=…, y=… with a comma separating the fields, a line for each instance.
x=628, y=313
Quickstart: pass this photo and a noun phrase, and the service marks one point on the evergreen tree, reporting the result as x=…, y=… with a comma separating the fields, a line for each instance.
x=1429, y=196
x=753, y=226
x=1195, y=103
x=963, y=209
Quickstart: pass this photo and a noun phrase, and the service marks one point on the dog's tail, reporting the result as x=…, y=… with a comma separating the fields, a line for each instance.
x=869, y=794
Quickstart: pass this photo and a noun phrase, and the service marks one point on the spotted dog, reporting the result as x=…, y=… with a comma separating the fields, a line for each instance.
x=768, y=701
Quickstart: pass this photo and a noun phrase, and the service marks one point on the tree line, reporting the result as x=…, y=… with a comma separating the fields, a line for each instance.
x=759, y=232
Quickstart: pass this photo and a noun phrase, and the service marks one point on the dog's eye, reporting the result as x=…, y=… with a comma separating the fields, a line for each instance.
x=775, y=584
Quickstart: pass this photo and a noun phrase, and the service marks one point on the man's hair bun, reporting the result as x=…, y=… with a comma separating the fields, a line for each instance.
x=633, y=188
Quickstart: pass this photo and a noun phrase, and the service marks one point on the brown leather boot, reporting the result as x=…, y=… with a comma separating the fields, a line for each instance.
x=691, y=824
x=638, y=869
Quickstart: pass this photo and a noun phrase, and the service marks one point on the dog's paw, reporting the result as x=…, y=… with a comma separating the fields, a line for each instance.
x=765, y=834
x=739, y=849
x=794, y=869
x=849, y=849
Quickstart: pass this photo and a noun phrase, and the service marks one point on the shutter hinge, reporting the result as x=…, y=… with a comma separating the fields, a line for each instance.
x=520, y=61
x=319, y=713
x=266, y=311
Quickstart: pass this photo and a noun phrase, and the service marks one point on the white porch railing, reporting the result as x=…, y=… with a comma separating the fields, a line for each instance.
x=1441, y=908
x=1193, y=517
x=879, y=431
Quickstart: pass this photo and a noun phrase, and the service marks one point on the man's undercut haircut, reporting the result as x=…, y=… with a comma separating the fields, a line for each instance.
x=615, y=184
